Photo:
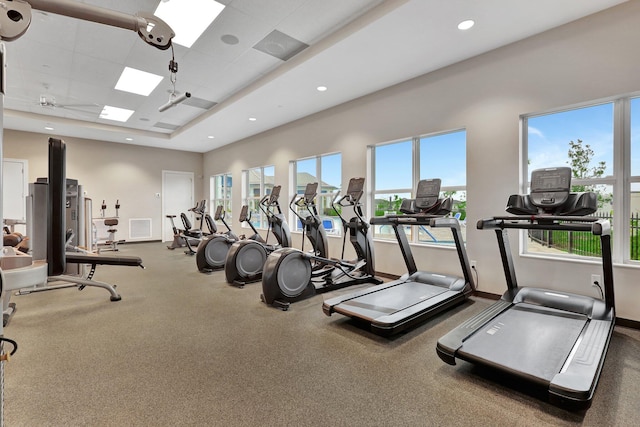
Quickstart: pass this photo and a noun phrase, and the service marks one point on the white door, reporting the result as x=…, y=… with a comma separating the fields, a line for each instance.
x=177, y=197
x=15, y=187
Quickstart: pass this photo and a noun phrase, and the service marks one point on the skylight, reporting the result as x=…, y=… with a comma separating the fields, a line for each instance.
x=188, y=18
x=115, y=113
x=138, y=82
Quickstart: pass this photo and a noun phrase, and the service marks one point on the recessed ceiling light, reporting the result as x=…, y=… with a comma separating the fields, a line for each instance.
x=188, y=18
x=211, y=137
x=252, y=119
x=465, y=25
x=48, y=128
x=138, y=82
x=115, y=113
x=321, y=88
x=128, y=139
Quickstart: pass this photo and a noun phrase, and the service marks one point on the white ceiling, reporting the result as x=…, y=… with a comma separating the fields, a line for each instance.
x=356, y=47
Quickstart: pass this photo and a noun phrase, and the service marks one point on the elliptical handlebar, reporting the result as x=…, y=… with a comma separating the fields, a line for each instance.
x=353, y=200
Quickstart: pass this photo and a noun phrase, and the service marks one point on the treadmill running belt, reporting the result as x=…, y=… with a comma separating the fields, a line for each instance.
x=389, y=300
x=530, y=339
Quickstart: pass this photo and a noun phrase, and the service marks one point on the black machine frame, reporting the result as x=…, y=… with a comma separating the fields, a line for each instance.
x=291, y=275
x=246, y=257
x=395, y=306
x=554, y=339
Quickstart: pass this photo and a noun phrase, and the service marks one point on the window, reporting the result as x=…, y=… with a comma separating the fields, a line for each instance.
x=220, y=193
x=634, y=180
x=399, y=165
x=258, y=182
x=600, y=142
x=326, y=170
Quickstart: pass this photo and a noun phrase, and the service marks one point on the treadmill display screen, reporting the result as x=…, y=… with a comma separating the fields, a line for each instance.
x=428, y=188
x=427, y=193
x=556, y=179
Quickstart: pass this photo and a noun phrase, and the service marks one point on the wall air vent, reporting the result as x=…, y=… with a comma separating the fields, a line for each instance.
x=280, y=45
x=140, y=228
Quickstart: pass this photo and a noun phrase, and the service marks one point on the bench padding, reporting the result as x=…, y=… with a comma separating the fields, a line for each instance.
x=80, y=258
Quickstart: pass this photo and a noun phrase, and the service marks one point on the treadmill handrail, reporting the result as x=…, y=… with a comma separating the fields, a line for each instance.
x=408, y=219
x=596, y=226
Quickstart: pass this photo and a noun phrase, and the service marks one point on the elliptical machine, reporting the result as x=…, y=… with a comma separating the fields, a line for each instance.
x=312, y=226
x=246, y=258
x=291, y=275
x=212, y=250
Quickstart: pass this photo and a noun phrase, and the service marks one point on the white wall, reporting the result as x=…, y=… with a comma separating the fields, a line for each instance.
x=110, y=171
x=589, y=59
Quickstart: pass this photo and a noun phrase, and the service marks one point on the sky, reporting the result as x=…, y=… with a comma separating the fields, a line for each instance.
x=441, y=156
x=549, y=136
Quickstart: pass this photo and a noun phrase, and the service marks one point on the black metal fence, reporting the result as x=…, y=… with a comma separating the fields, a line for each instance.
x=586, y=244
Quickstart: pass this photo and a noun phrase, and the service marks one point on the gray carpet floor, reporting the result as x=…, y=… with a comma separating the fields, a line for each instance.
x=185, y=348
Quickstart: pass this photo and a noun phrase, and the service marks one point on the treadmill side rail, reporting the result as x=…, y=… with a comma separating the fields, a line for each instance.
x=449, y=344
x=576, y=383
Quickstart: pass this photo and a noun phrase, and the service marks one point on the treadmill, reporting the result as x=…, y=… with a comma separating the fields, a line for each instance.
x=553, y=339
x=395, y=306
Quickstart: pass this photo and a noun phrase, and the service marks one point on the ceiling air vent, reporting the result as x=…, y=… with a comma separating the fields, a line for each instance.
x=199, y=102
x=280, y=45
x=166, y=126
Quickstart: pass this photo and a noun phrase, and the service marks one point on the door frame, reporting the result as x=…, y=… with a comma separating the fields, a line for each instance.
x=165, y=175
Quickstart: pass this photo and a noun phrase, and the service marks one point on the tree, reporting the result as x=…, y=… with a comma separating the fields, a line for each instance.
x=580, y=161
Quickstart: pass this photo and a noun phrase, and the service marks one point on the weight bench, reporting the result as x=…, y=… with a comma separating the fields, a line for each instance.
x=82, y=282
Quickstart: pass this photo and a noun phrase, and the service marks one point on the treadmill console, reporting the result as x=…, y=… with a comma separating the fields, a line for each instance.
x=551, y=195
x=427, y=193
x=427, y=201
x=550, y=187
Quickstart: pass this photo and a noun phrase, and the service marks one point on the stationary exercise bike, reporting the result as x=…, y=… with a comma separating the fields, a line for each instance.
x=291, y=275
x=191, y=237
x=246, y=258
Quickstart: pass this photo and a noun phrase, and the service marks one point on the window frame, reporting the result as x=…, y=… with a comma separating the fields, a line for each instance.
x=247, y=198
x=620, y=181
x=293, y=178
x=412, y=234
x=227, y=199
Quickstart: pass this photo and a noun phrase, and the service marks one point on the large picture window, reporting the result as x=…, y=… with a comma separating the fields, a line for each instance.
x=601, y=143
x=258, y=182
x=326, y=170
x=398, y=166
